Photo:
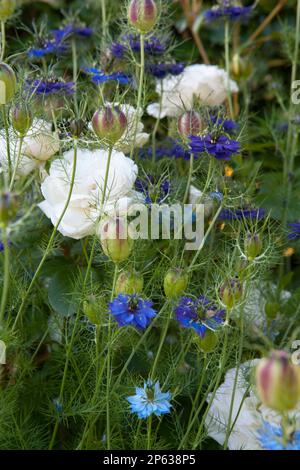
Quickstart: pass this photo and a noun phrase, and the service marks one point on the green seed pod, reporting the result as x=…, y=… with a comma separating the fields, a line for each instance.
x=21, y=119
x=8, y=83
x=7, y=8
x=208, y=343
x=175, y=283
x=129, y=283
x=142, y=14
x=253, y=246
x=76, y=127
x=91, y=310
x=8, y=208
x=115, y=239
x=272, y=310
x=231, y=292
x=109, y=124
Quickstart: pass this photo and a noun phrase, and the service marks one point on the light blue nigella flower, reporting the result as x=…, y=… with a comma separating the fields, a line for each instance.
x=271, y=438
x=150, y=400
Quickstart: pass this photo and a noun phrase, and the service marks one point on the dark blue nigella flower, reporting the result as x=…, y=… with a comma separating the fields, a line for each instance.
x=271, y=437
x=98, y=76
x=220, y=147
x=45, y=47
x=226, y=124
x=152, y=46
x=228, y=12
x=50, y=86
x=199, y=314
x=154, y=191
x=150, y=400
x=132, y=310
x=71, y=30
x=162, y=70
x=239, y=214
x=294, y=231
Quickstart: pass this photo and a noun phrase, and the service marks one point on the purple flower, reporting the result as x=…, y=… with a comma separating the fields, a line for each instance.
x=227, y=11
x=162, y=70
x=51, y=86
x=132, y=310
x=199, y=314
x=154, y=191
x=99, y=76
x=220, y=147
x=71, y=30
x=294, y=231
x=240, y=214
x=152, y=46
x=226, y=124
x=45, y=47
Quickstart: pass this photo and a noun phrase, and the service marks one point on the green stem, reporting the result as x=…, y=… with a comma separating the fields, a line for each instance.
x=149, y=429
x=6, y=274
x=16, y=164
x=75, y=73
x=161, y=343
x=187, y=191
x=157, y=124
x=140, y=90
x=3, y=41
x=227, y=62
x=7, y=137
x=51, y=240
x=104, y=21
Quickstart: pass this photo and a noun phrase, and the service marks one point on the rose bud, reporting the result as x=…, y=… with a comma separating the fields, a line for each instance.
x=231, y=292
x=21, y=119
x=7, y=8
x=142, y=14
x=8, y=208
x=8, y=83
x=109, y=124
x=115, y=239
x=129, y=283
x=189, y=123
x=76, y=127
x=253, y=246
x=208, y=343
x=175, y=283
x=278, y=382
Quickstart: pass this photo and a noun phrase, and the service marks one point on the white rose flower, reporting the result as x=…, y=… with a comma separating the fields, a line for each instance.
x=207, y=83
x=39, y=145
x=85, y=204
x=247, y=416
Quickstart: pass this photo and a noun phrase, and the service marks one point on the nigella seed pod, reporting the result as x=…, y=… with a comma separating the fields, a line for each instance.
x=76, y=127
x=8, y=83
x=278, y=382
x=7, y=8
x=208, y=343
x=109, y=124
x=241, y=69
x=92, y=311
x=189, y=123
x=21, y=119
x=115, y=239
x=231, y=292
x=175, y=283
x=8, y=208
x=142, y=14
x=129, y=283
x=253, y=246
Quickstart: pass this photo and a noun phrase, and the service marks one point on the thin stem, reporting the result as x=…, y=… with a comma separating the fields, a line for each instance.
x=104, y=21
x=75, y=72
x=187, y=191
x=3, y=41
x=16, y=164
x=149, y=429
x=267, y=20
x=6, y=274
x=50, y=243
x=7, y=137
x=139, y=105
x=161, y=343
x=227, y=62
x=157, y=124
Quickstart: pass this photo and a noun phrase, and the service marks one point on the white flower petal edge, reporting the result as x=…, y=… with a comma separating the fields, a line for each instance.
x=85, y=205
x=249, y=415
x=207, y=83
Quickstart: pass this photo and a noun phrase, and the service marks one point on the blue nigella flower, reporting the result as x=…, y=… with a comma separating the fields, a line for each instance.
x=154, y=191
x=99, y=76
x=162, y=70
x=132, y=310
x=45, y=47
x=2, y=248
x=271, y=438
x=226, y=124
x=220, y=147
x=228, y=11
x=71, y=30
x=199, y=314
x=294, y=231
x=152, y=46
x=50, y=86
x=239, y=214
x=150, y=400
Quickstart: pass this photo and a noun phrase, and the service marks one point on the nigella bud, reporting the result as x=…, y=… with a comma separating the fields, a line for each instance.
x=175, y=283
x=129, y=283
x=109, y=124
x=8, y=83
x=231, y=292
x=7, y=8
x=208, y=343
x=241, y=69
x=142, y=14
x=92, y=310
x=21, y=119
x=253, y=246
x=115, y=239
x=8, y=208
x=76, y=127
x=278, y=382
x=189, y=123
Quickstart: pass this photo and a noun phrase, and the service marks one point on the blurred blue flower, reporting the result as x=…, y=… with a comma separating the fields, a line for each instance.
x=71, y=30
x=294, y=231
x=150, y=400
x=239, y=214
x=228, y=10
x=50, y=86
x=154, y=191
x=220, y=147
x=152, y=46
x=199, y=314
x=162, y=70
x=99, y=76
x=271, y=438
x=226, y=124
x=132, y=310
x=45, y=47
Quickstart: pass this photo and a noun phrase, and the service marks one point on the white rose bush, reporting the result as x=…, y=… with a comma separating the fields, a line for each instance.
x=149, y=226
